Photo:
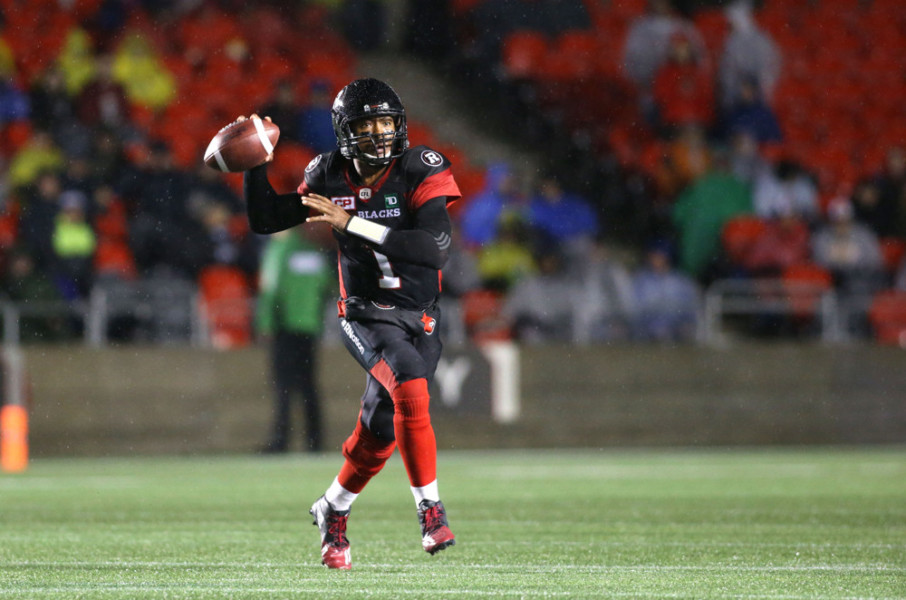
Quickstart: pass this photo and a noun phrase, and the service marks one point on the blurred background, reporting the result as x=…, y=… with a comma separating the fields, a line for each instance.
x=682, y=222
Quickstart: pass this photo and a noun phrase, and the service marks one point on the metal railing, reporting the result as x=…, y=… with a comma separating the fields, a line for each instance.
x=174, y=314
x=771, y=297
x=170, y=313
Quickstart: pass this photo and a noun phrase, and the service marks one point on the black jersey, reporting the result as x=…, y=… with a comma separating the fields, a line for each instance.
x=419, y=176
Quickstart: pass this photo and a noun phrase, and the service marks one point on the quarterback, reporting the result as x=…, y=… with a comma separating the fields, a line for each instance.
x=387, y=206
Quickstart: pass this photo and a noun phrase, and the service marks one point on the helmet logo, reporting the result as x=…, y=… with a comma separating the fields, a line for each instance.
x=432, y=158
x=369, y=108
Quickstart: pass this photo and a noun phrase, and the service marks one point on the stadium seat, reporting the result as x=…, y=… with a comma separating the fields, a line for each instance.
x=9, y=226
x=290, y=159
x=893, y=250
x=738, y=235
x=713, y=25
x=806, y=283
x=628, y=9
x=226, y=305
x=461, y=7
x=113, y=258
x=522, y=53
x=573, y=58
x=112, y=221
x=482, y=316
x=887, y=315
x=420, y=134
x=14, y=135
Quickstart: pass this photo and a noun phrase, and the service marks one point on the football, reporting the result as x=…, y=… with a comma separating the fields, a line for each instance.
x=242, y=145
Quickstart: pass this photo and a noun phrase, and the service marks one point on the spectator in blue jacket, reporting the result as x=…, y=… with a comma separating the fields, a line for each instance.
x=561, y=217
x=480, y=218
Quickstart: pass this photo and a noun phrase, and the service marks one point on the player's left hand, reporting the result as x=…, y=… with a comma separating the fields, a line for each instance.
x=331, y=214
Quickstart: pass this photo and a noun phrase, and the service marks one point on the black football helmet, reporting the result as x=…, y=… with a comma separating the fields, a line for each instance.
x=368, y=98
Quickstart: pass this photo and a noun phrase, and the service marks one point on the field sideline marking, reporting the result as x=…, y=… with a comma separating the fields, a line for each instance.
x=418, y=591
x=535, y=568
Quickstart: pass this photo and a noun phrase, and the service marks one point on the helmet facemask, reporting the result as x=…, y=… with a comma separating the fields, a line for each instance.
x=394, y=142
x=369, y=99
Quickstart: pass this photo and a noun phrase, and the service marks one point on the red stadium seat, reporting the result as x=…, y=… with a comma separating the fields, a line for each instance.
x=523, y=52
x=114, y=258
x=112, y=222
x=887, y=315
x=9, y=226
x=893, y=250
x=738, y=235
x=806, y=283
x=420, y=134
x=460, y=7
x=14, y=135
x=226, y=305
x=290, y=159
x=628, y=9
x=713, y=25
x=482, y=316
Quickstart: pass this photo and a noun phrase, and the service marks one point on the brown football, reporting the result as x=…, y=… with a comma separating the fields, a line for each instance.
x=242, y=145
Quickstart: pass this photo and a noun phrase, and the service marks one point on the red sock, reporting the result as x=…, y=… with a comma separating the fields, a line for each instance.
x=414, y=434
x=365, y=457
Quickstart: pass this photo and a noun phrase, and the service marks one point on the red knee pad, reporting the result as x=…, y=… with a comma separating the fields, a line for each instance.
x=414, y=434
x=411, y=399
x=365, y=457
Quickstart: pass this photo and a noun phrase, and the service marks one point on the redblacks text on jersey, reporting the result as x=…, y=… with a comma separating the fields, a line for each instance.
x=417, y=176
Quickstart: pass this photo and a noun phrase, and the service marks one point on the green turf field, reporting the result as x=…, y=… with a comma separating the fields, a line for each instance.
x=775, y=524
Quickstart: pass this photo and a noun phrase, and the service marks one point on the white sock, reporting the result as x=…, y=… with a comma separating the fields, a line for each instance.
x=426, y=492
x=339, y=497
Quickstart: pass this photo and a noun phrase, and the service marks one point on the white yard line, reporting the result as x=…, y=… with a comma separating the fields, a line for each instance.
x=486, y=567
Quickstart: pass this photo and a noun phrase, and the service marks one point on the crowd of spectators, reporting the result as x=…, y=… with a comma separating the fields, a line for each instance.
x=663, y=127
x=688, y=123
x=532, y=264
x=106, y=109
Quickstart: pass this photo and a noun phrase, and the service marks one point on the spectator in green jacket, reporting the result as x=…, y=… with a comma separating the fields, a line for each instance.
x=699, y=214
x=295, y=279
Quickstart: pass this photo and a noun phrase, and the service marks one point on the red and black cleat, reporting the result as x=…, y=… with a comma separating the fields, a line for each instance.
x=436, y=534
x=334, y=544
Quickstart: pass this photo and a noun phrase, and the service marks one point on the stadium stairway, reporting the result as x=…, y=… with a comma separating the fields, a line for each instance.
x=452, y=119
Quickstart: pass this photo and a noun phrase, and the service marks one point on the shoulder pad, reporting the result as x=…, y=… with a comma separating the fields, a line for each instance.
x=316, y=170
x=425, y=160
x=428, y=173
x=318, y=164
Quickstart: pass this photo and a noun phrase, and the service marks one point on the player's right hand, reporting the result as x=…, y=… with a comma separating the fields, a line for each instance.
x=240, y=118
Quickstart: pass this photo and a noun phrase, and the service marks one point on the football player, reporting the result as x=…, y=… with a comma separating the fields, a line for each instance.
x=387, y=205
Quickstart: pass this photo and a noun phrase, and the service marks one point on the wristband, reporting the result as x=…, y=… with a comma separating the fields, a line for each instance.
x=368, y=230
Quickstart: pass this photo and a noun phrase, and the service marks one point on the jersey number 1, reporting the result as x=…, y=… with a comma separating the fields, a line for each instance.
x=388, y=280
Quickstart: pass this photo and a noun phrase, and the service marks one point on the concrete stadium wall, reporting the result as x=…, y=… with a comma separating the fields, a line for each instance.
x=183, y=400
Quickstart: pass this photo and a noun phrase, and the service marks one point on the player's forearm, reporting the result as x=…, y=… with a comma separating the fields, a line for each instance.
x=269, y=211
x=427, y=244
x=418, y=247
